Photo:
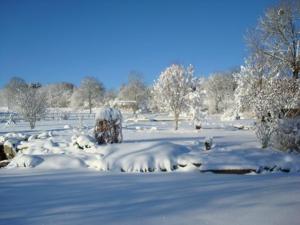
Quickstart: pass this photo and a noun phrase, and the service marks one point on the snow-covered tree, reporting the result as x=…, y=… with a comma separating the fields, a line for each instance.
x=277, y=37
x=12, y=90
x=59, y=95
x=135, y=90
x=220, y=88
x=196, y=99
x=30, y=103
x=271, y=97
x=172, y=88
x=90, y=92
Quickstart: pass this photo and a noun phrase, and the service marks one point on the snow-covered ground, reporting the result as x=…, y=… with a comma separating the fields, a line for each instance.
x=150, y=145
x=36, y=197
x=61, y=176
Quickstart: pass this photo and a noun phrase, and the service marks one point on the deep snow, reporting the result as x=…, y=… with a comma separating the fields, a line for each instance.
x=36, y=197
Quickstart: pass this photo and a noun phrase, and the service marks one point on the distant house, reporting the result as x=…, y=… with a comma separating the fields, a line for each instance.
x=125, y=105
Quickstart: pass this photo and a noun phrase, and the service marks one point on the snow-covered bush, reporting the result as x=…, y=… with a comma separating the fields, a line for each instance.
x=269, y=95
x=287, y=136
x=108, y=128
x=172, y=88
x=208, y=143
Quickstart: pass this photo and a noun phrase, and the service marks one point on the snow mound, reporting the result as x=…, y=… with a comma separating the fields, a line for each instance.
x=13, y=137
x=24, y=160
x=54, y=161
x=146, y=157
x=83, y=141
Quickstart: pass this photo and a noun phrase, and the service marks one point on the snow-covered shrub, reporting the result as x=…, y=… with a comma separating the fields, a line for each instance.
x=108, y=128
x=83, y=141
x=24, y=160
x=270, y=95
x=264, y=131
x=287, y=136
x=208, y=143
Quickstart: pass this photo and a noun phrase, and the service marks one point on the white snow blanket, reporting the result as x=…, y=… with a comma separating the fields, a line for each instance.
x=76, y=197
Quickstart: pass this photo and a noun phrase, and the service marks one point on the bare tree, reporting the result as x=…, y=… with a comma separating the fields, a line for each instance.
x=31, y=104
x=90, y=90
x=172, y=88
x=12, y=90
x=29, y=100
x=220, y=88
x=135, y=90
x=276, y=38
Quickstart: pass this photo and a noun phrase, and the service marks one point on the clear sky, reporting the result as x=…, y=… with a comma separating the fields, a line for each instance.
x=64, y=40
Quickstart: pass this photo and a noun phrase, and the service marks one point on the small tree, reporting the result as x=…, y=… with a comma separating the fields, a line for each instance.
x=91, y=90
x=171, y=89
x=29, y=101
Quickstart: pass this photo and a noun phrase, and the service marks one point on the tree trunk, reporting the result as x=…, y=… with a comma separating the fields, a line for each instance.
x=32, y=124
x=217, y=106
x=176, y=121
x=90, y=104
x=296, y=74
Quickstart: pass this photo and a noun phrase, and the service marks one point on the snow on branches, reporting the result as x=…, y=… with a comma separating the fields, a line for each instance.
x=171, y=89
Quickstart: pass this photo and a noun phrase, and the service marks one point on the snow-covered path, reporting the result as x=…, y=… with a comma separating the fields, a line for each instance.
x=88, y=197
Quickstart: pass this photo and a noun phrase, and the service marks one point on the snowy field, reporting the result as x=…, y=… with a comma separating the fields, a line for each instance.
x=61, y=176
x=37, y=197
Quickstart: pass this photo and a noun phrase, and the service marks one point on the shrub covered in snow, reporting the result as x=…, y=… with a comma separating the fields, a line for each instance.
x=287, y=136
x=108, y=128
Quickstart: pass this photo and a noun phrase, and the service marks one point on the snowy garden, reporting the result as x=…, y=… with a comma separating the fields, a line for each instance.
x=185, y=149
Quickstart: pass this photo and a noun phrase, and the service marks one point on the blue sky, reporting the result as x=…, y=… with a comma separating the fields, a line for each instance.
x=65, y=40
